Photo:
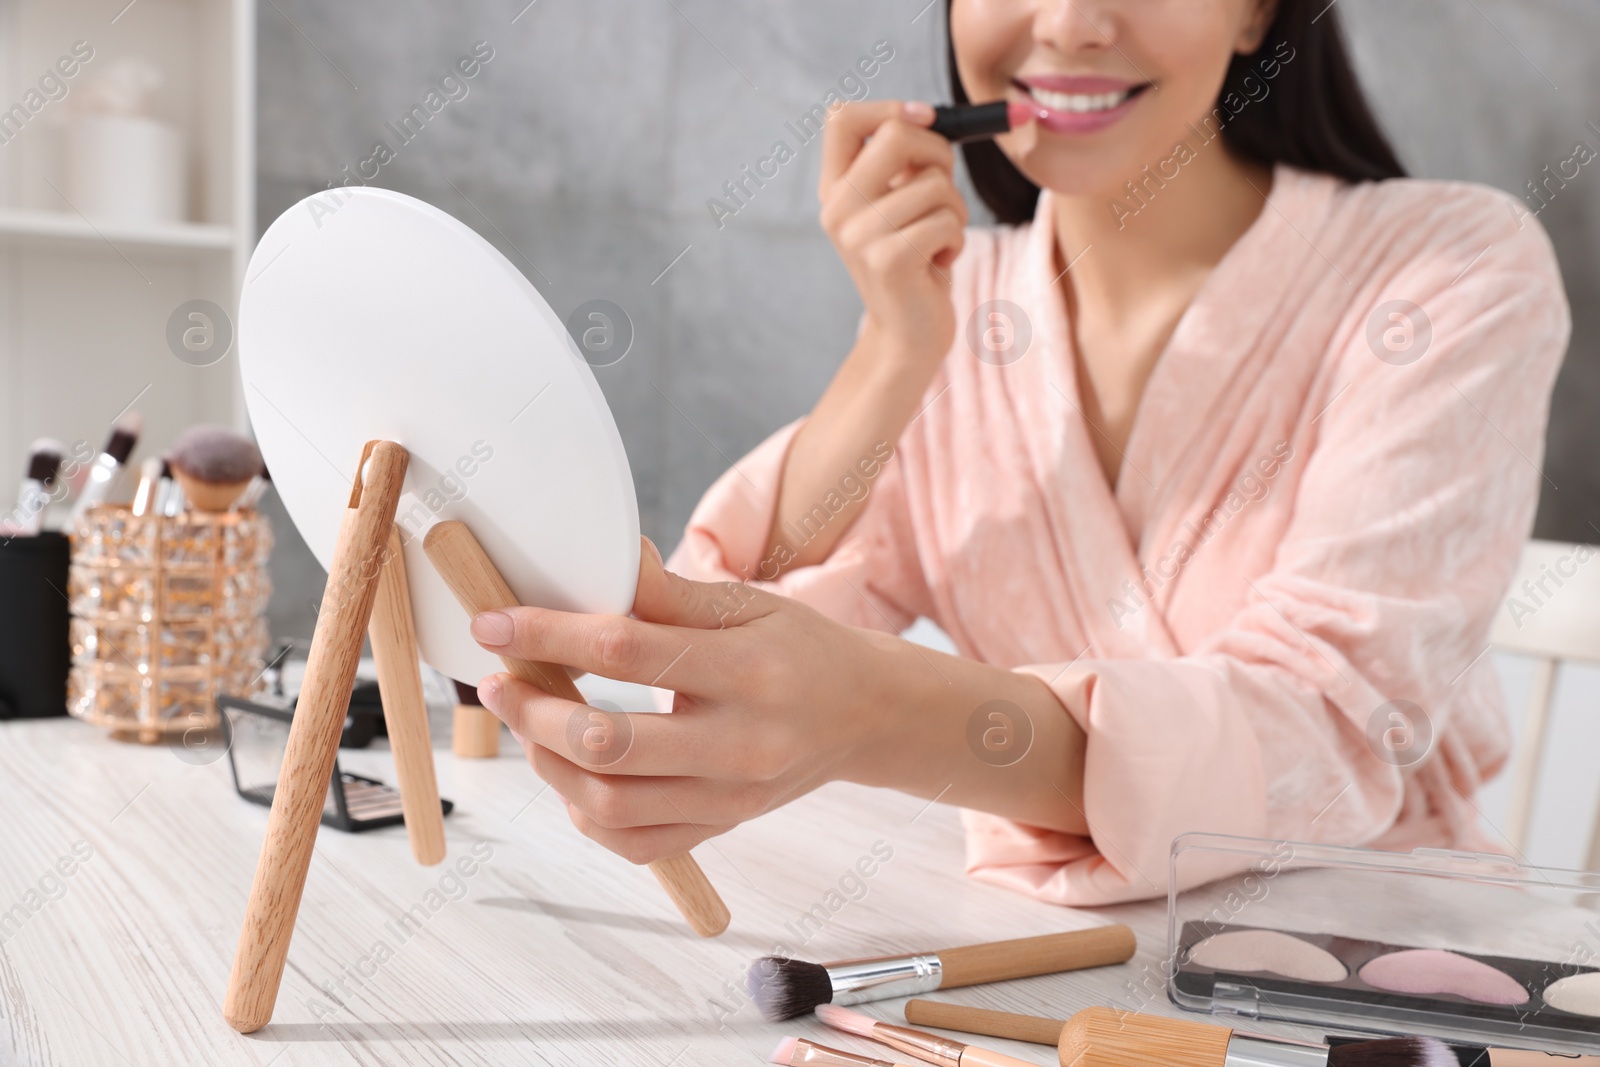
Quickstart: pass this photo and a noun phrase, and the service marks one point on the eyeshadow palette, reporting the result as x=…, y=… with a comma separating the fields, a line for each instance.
x=1459, y=946
x=1408, y=989
x=255, y=734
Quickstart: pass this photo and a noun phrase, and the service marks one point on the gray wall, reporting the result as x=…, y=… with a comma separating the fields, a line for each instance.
x=588, y=146
x=586, y=151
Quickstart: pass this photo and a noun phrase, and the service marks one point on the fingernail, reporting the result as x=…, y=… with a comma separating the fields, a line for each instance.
x=490, y=690
x=654, y=551
x=493, y=628
x=918, y=112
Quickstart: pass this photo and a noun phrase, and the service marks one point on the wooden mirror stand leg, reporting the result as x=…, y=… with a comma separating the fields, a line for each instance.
x=405, y=711
x=467, y=570
x=313, y=743
x=367, y=584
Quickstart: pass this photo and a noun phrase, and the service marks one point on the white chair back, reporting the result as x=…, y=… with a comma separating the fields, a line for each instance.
x=1551, y=613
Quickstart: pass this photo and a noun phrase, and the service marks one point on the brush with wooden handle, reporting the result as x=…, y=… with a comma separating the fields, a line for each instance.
x=214, y=465
x=928, y=1048
x=467, y=570
x=1107, y=1037
x=784, y=988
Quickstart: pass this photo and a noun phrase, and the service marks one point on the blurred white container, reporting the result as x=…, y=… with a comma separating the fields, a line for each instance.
x=126, y=168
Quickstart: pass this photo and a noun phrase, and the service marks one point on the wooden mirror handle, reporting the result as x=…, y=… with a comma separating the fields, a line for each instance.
x=472, y=577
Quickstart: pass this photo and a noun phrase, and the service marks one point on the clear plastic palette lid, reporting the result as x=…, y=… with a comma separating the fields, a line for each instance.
x=1462, y=946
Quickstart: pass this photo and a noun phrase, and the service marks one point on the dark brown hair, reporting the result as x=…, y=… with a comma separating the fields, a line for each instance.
x=1314, y=115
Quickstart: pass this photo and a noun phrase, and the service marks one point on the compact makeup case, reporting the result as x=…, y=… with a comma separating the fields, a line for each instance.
x=1454, y=945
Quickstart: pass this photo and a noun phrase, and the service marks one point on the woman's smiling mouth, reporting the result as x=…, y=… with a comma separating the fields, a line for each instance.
x=1078, y=104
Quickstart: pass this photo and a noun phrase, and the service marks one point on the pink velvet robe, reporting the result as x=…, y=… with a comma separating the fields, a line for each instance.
x=1301, y=532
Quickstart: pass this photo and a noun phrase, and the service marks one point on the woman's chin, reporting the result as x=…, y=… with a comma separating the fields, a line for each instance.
x=1078, y=175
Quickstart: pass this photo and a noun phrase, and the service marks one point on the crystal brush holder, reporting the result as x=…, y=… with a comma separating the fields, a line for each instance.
x=167, y=613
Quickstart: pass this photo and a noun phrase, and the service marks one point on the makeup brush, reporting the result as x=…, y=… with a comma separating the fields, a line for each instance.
x=783, y=988
x=1478, y=1056
x=798, y=1052
x=253, y=492
x=1106, y=1037
x=144, y=497
x=213, y=465
x=169, y=494
x=103, y=471
x=960, y=123
x=44, y=461
x=926, y=1047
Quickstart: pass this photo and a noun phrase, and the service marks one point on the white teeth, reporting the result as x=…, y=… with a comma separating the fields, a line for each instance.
x=1080, y=103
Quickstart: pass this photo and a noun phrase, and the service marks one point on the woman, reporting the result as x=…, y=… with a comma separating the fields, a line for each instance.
x=1214, y=462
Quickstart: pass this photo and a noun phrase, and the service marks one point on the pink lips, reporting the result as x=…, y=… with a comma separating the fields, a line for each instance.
x=1073, y=122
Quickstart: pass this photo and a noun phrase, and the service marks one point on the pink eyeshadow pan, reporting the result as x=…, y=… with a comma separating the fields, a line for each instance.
x=1271, y=952
x=1423, y=971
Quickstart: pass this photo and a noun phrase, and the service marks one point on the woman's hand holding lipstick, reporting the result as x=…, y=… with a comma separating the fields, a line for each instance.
x=892, y=209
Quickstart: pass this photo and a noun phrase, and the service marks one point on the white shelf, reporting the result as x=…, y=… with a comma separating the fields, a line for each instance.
x=53, y=226
x=86, y=305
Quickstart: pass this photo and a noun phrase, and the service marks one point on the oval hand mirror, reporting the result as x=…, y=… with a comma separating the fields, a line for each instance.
x=368, y=314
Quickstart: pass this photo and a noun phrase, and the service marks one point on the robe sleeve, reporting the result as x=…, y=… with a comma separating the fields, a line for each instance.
x=872, y=577
x=1417, y=495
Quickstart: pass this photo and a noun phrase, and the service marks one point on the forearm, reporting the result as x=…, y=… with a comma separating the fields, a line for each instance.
x=973, y=735
x=851, y=430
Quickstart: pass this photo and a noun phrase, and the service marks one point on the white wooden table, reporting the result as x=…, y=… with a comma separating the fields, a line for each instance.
x=552, y=951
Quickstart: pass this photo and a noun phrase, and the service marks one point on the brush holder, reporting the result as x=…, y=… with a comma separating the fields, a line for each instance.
x=33, y=626
x=167, y=613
